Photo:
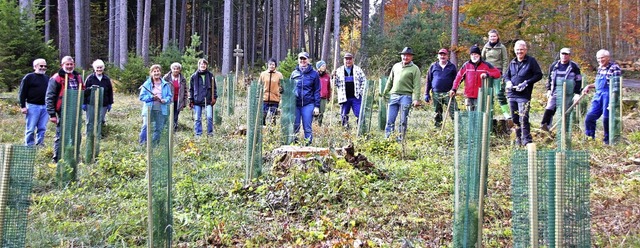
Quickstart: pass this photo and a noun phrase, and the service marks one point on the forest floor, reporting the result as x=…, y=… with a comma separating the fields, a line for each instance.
x=405, y=199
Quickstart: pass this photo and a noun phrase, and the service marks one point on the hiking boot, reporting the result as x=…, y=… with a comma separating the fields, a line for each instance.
x=544, y=127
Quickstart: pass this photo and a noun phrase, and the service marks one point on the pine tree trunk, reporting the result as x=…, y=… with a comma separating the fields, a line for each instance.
x=183, y=26
x=77, y=24
x=86, y=9
x=47, y=21
x=110, y=19
x=226, y=44
x=174, y=13
x=266, y=48
x=27, y=6
x=124, y=49
x=116, y=32
x=365, y=26
x=64, y=43
x=301, y=40
x=146, y=31
x=326, y=38
x=253, y=33
x=336, y=33
x=166, y=25
x=139, y=23
x=382, y=3
x=454, y=31
x=277, y=24
x=245, y=36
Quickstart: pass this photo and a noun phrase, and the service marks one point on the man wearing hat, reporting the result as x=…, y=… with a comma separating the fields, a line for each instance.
x=524, y=71
x=472, y=72
x=350, y=83
x=202, y=94
x=440, y=81
x=403, y=88
x=307, y=91
x=561, y=72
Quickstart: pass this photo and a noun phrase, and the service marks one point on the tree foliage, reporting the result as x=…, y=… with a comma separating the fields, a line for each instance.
x=21, y=41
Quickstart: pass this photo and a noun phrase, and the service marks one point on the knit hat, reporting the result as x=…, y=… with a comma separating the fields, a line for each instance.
x=474, y=49
x=320, y=64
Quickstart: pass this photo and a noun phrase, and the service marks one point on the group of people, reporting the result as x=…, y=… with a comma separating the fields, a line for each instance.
x=518, y=78
x=41, y=97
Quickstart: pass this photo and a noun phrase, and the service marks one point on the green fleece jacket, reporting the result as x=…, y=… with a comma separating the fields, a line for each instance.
x=496, y=56
x=404, y=80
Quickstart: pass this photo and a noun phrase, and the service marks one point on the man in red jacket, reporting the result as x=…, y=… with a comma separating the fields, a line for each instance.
x=472, y=72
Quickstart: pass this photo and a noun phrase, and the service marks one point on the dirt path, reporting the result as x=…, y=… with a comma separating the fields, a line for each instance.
x=633, y=84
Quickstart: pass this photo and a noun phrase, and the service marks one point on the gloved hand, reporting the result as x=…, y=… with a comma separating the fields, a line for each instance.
x=508, y=85
x=521, y=86
x=84, y=107
x=576, y=98
x=109, y=108
x=316, y=111
x=548, y=94
x=427, y=98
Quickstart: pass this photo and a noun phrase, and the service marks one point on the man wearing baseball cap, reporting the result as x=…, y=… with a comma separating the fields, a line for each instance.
x=561, y=72
x=350, y=83
x=440, y=81
x=403, y=88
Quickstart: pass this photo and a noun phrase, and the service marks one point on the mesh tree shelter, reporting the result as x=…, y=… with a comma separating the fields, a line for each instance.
x=159, y=162
x=366, y=108
x=564, y=115
x=288, y=106
x=94, y=124
x=550, y=193
x=253, y=166
x=16, y=180
x=615, y=111
x=218, y=109
x=382, y=105
x=70, y=136
x=230, y=94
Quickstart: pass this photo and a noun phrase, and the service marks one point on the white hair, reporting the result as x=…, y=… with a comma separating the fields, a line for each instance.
x=176, y=64
x=66, y=59
x=38, y=61
x=603, y=53
x=97, y=63
x=520, y=43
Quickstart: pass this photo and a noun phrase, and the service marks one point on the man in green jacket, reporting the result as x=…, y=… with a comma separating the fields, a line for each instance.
x=496, y=54
x=404, y=88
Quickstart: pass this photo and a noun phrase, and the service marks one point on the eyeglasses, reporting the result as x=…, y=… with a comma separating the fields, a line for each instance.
x=302, y=58
x=564, y=53
x=42, y=66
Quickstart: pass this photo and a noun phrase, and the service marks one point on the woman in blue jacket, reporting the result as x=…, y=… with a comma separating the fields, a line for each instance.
x=307, y=91
x=156, y=95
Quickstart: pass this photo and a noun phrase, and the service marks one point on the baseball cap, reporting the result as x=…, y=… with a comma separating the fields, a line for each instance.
x=303, y=55
x=565, y=50
x=443, y=50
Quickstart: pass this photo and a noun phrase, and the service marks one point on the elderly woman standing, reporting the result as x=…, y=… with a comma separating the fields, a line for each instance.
x=98, y=79
x=180, y=93
x=156, y=94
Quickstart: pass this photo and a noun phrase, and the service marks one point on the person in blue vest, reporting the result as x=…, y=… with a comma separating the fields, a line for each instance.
x=307, y=91
x=156, y=94
x=600, y=102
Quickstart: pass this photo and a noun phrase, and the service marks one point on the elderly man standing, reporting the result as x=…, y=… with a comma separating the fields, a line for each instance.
x=55, y=92
x=440, y=81
x=560, y=72
x=402, y=89
x=350, y=85
x=32, y=92
x=600, y=102
x=524, y=71
x=472, y=72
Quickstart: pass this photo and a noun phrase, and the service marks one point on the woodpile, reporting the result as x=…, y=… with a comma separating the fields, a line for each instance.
x=629, y=65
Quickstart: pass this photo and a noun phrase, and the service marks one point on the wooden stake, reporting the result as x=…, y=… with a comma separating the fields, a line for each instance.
x=533, y=193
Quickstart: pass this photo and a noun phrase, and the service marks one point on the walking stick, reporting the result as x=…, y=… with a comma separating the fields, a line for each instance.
x=569, y=109
x=447, y=112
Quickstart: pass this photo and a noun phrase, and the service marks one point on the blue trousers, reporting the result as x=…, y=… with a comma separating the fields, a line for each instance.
x=304, y=114
x=397, y=104
x=599, y=106
x=346, y=107
x=36, y=118
x=198, y=119
x=159, y=122
x=269, y=108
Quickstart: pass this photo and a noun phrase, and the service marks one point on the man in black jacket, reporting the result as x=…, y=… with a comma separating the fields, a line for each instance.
x=524, y=71
x=33, y=89
x=561, y=72
x=202, y=94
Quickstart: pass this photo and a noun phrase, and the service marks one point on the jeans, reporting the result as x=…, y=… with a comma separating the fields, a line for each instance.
x=304, y=113
x=520, y=116
x=36, y=118
x=345, y=107
x=198, y=120
x=599, y=106
x=440, y=100
x=397, y=103
x=159, y=122
x=270, y=109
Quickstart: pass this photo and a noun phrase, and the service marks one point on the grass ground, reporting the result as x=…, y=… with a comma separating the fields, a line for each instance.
x=107, y=206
